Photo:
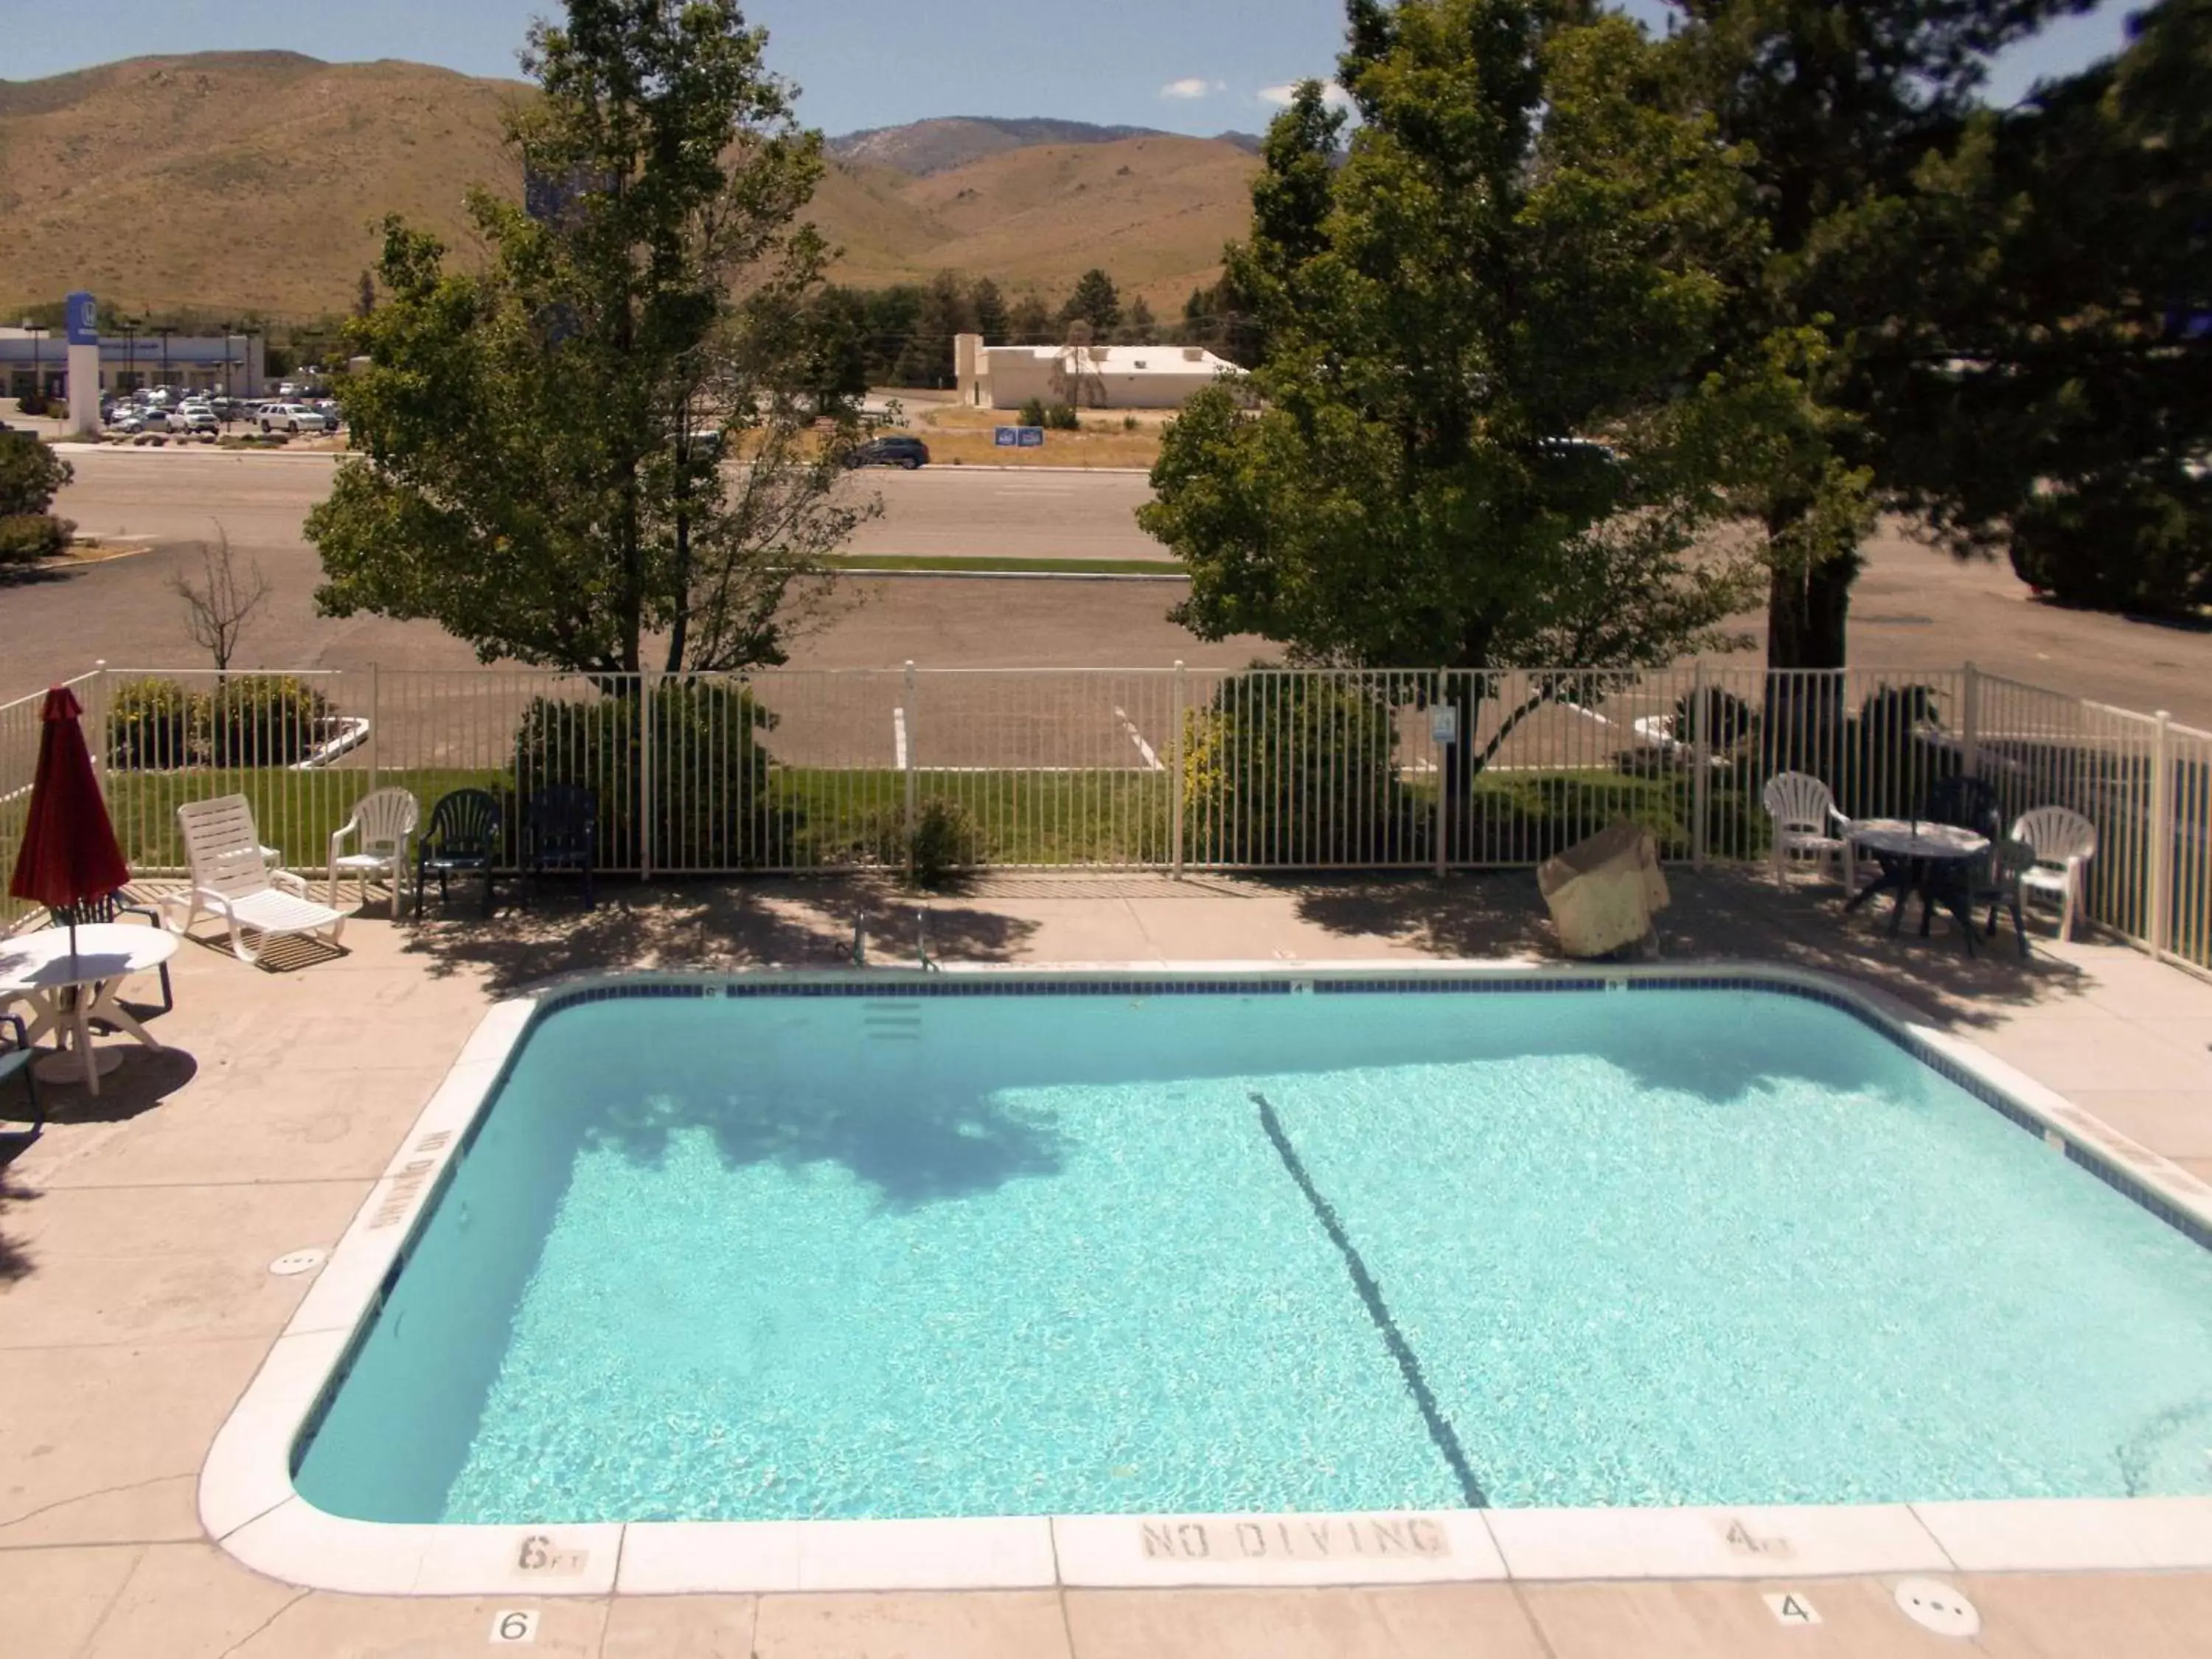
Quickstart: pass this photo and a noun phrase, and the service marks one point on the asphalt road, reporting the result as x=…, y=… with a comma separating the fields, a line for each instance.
x=1915, y=608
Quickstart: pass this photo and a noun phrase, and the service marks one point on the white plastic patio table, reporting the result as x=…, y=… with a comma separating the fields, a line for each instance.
x=1923, y=846
x=43, y=970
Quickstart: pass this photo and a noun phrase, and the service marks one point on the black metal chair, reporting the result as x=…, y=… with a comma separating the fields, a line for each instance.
x=1966, y=804
x=466, y=836
x=1963, y=886
x=561, y=831
x=16, y=1055
x=93, y=912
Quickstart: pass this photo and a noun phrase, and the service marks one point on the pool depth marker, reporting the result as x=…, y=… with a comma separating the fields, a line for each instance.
x=1371, y=1293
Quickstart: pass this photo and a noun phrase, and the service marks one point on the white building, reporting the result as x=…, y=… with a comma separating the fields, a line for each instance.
x=1089, y=377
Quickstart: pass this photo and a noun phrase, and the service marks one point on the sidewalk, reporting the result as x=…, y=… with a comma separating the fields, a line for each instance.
x=136, y=1300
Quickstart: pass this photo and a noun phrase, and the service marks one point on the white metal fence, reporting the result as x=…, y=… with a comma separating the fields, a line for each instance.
x=1173, y=770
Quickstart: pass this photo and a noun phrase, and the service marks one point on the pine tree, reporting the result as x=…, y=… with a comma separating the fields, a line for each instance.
x=1030, y=321
x=1138, y=326
x=988, y=307
x=1096, y=302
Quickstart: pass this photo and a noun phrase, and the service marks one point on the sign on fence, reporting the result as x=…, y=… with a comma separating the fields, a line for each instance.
x=1019, y=437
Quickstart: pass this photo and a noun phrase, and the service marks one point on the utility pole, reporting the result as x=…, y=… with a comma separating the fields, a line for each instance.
x=129, y=327
x=165, y=330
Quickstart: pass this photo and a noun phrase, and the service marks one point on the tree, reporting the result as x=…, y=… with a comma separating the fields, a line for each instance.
x=987, y=309
x=364, y=303
x=1030, y=321
x=537, y=439
x=894, y=318
x=219, y=604
x=31, y=474
x=927, y=359
x=1096, y=301
x=1451, y=317
x=1837, y=110
x=2059, y=406
x=836, y=321
x=1138, y=326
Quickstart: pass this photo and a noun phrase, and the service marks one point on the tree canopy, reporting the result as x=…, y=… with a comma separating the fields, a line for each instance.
x=1479, y=438
x=2061, y=409
x=539, y=437
x=1844, y=116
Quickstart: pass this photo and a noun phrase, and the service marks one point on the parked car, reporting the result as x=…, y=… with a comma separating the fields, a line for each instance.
x=126, y=419
x=292, y=418
x=156, y=418
x=909, y=452
x=197, y=419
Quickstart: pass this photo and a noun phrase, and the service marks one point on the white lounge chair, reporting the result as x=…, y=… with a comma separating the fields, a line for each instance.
x=385, y=822
x=2065, y=842
x=1807, y=823
x=231, y=877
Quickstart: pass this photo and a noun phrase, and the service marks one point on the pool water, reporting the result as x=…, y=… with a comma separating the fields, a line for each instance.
x=777, y=1257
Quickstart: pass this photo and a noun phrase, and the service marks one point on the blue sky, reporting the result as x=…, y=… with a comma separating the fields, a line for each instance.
x=1187, y=65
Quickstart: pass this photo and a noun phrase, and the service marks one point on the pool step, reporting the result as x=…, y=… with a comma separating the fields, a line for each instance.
x=892, y=1022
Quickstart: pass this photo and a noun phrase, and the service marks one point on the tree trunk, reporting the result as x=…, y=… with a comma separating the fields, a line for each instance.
x=1807, y=616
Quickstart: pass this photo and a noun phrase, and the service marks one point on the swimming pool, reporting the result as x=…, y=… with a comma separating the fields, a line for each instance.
x=1400, y=1245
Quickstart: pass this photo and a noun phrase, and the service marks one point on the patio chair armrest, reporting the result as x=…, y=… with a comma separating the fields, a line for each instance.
x=285, y=881
x=22, y=1032
x=216, y=901
x=153, y=916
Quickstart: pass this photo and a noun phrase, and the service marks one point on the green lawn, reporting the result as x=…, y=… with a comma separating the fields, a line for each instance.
x=979, y=565
x=825, y=819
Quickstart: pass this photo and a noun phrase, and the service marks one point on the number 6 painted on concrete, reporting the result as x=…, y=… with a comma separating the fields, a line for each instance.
x=514, y=1628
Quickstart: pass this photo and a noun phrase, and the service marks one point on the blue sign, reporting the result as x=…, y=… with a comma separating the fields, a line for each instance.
x=1018, y=437
x=82, y=316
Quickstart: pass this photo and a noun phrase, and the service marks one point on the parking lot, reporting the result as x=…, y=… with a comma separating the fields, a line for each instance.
x=1915, y=607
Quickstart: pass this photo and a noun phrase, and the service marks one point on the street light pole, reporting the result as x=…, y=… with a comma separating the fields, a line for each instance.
x=165, y=330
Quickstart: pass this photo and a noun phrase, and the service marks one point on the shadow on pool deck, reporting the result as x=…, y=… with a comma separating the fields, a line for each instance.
x=1723, y=914
x=708, y=923
x=1717, y=914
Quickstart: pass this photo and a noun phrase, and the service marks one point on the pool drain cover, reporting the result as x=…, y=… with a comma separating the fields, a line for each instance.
x=1937, y=1607
x=300, y=1262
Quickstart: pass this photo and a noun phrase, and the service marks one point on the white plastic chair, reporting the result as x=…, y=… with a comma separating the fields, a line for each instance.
x=1807, y=823
x=2065, y=842
x=231, y=877
x=385, y=822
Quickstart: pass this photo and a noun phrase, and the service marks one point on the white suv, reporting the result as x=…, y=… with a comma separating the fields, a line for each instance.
x=292, y=418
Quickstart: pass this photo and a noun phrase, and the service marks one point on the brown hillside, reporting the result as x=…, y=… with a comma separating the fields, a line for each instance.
x=253, y=181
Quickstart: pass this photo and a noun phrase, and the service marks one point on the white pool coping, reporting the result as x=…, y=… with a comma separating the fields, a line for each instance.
x=248, y=1504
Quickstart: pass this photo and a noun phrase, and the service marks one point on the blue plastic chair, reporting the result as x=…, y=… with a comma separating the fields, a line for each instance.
x=465, y=837
x=561, y=831
x=15, y=1056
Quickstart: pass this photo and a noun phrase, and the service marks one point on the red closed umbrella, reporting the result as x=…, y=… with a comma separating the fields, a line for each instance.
x=68, y=854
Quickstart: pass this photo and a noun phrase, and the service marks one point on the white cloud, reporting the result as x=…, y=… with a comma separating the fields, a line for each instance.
x=1281, y=96
x=1195, y=85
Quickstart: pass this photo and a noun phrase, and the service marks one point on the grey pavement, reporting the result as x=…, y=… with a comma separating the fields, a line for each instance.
x=1915, y=608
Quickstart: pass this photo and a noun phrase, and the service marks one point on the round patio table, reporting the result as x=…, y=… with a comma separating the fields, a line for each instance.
x=67, y=988
x=1910, y=855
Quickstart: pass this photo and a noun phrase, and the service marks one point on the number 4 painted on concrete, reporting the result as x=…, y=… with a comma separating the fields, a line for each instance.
x=1788, y=1607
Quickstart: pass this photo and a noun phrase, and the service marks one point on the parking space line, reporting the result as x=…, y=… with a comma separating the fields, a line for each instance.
x=1152, y=760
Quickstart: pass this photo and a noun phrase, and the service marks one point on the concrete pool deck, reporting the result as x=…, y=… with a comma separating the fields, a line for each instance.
x=136, y=1301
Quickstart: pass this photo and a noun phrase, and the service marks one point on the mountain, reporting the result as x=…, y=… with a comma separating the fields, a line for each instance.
x=921, y=148
x=229, y=182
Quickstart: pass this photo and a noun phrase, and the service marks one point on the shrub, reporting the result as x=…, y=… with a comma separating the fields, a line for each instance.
x=946, y=841
x=153, y=725
x=26, y=537
x=266, y=719
x=2128, y=544
x=1128, y=423
x=1061, y=418
x=1293, y=769
x=1033, y=412
x=710, y=769
x=1728, y=720
x=31, y=474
